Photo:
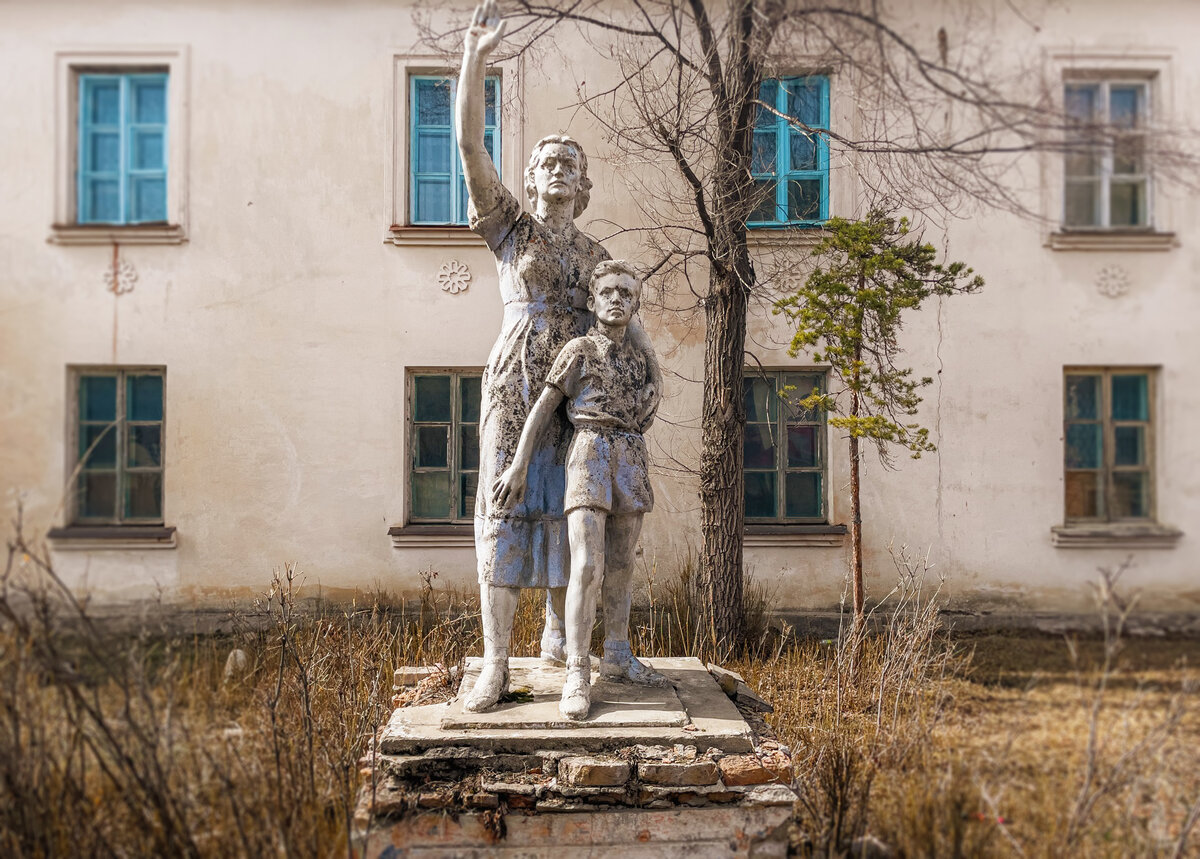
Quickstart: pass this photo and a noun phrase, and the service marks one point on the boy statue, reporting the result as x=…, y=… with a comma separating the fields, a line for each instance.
x=603, y=377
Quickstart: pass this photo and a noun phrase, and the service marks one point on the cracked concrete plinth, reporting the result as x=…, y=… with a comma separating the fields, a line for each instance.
x=629, y=715
x=642, y=775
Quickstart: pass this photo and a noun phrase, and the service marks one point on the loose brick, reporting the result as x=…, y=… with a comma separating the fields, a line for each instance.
x=738, y=770
x=435, y=800
x=483, y=800
x=678, y=774
x=593, y=772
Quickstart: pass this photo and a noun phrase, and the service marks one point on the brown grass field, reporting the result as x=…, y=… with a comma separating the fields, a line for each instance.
x=120, y=740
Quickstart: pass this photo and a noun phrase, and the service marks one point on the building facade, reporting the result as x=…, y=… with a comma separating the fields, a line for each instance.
x=243, y=322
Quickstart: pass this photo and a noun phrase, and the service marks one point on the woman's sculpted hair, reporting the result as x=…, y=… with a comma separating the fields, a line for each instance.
x=585, y=184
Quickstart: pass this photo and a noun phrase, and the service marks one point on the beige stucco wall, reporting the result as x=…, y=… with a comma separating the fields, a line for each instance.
x=287, y=324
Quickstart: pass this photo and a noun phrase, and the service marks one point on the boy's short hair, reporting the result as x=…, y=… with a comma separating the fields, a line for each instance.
x=613, y=266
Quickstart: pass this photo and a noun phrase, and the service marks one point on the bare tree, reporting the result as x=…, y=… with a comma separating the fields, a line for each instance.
x=936, y=126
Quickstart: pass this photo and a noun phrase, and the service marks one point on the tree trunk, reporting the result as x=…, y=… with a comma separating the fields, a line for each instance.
x=723, y=426
x=856, y=562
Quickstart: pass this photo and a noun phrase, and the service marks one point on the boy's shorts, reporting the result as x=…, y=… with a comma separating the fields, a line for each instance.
x=608, y=470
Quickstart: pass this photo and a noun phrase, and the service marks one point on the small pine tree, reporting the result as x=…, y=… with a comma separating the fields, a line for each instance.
x=848, y=312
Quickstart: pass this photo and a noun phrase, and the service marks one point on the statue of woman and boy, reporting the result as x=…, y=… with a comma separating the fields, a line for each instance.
x=559, y=506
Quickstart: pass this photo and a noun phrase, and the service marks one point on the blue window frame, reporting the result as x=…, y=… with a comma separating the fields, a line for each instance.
x=119, y=446
x=122, y=172
x=790, y=159
x=437, y=191
x=444, y=409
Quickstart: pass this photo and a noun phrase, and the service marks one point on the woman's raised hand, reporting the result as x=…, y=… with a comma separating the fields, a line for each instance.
x=486, y=30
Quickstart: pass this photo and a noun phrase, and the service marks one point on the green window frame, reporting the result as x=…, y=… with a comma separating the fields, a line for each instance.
x=118, y=445
x=1108, y=443
x=1106, y=184
x=785, y=456
x=444, y=445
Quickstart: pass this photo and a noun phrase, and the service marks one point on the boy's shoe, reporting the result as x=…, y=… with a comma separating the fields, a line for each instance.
x=576, y=691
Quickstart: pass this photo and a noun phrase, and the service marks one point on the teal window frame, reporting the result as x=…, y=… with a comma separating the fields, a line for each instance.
x=126, y=166
x=1108, y=444
x=769, y=469
x=122, y=447
x=441, y=436
x=779, y=130
x=431, y=141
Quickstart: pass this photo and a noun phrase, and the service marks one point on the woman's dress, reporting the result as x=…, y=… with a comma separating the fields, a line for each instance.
x=543, y=283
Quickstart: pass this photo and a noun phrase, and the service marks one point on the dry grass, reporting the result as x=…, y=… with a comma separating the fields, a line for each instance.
x=118, y=744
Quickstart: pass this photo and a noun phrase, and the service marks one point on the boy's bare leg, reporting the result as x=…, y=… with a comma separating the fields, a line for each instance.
x=585, y=527
x=497, y=605
x=554, y=636
x=621, y=543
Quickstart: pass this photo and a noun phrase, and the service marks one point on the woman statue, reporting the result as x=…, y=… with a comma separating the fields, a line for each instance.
x=544, y=264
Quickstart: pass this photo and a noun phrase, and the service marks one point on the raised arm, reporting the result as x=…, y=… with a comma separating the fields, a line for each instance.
x=484, y=34
x=510, y=486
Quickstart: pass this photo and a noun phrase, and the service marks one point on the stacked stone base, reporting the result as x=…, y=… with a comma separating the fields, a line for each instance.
x=709, y=787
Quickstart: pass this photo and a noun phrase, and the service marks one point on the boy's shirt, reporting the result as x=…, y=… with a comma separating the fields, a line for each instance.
x=602, y=382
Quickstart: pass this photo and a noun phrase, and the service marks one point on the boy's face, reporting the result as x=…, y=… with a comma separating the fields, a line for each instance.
x=615, y=298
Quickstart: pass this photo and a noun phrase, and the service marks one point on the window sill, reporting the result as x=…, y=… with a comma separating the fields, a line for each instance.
x=91, y=538
x=107, y=234
x=795, y=536
x=1111, y=240
x=792, y=237
x=432, y=536
x=1108, y=535
x=416, y=236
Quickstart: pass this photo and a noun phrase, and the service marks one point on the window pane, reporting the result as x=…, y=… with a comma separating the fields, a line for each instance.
x=468, y=486
x=1129, y=445
x=469, y=393
x=144, y=397
x=104, y=152
x=105, y=98
x=804, y=151
x=98, y=494
x=433, y=152
x=431, y=495
x=1127, y=204
x=103, y=201
x=1082, y=164
x=765, y=208
x=1124, y=106
x=762, y=156
x=759, y=446
x=148, y=152
x=98, y=398
x=1129, y=399
x=804, y=101
x=1131, y=496
x=760, y=494
x=1081, y=204
x=150, y=102
x=1084, y=446
x=768, y=93
x=145, y=446
x=433, y=200
x=1080, y=102
x=143, y=495
x=489, y=143
x=1083, y=398
x=1127, y=155
x=431, y=398
x=798, y=388
x=761, y=400
x=491, y=95
x=468, y=452
x=804, y=199
x=433, y=102
x=104, y=437
x=1084, y=497
x=804, y=494
x=432, y=447
x=150, y=199
x=802, y=448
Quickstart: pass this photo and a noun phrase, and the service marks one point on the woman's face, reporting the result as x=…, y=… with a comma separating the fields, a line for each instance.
x=557, y=174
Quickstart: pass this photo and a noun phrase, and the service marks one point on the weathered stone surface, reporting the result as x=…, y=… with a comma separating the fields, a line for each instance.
x=482, y=800
x=678, y=774
x=593, y=772
x=765, y=795
x=778, y=765
x=743, y=770
x=726, y=679
x=411, y=675
x=435, y=800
